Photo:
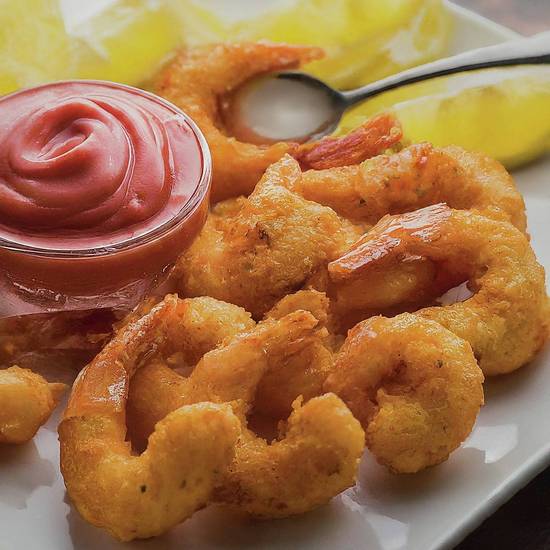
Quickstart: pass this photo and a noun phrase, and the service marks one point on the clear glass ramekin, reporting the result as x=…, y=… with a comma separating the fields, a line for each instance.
x=37, y=279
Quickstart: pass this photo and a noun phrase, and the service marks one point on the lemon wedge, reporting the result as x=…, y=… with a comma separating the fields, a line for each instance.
x=504, y=113
x=125, y=41
x=364, y=39
x=33, y=44
x=120, y=40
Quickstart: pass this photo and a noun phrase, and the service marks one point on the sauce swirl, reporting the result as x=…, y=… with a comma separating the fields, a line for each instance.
x=88, y=163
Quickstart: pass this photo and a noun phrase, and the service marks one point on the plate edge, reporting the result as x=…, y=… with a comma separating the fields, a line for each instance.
x=502, y=494
x=540, y=461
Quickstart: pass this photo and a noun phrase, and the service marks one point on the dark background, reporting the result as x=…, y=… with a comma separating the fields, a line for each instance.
x=524, y=16
x=524, y=522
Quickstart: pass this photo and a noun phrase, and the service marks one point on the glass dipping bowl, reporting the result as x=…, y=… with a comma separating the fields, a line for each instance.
x=46, y=278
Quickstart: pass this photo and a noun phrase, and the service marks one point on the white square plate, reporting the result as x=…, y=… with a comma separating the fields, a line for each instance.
x=428, y=511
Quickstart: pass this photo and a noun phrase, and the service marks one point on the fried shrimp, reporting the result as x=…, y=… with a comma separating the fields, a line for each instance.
x=404, y=282
x=202, y=324
x=415, y=387
x=317, y=303
x=506, y=319
x=263, y=247
x=417, y=176
x=139, y=496
x=318, y=449
x=26, y=402
x=315, y=458
x=269, y=341
x=196, y=326
x=200, y=78
x=407, y=283
x=290, y=376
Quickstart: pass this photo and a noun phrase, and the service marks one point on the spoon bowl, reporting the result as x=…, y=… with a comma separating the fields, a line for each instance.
x=287, y=106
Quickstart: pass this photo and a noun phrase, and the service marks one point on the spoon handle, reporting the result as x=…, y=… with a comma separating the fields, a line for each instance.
x=525, y=51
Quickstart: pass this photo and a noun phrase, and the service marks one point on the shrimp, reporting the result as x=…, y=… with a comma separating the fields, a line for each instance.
x=506, y=319
x=417, y=176
x=317, y=303
x=198, y=326
x=204, y=323
x=199, y=79
x=256, y=250
x=415, y=387
x=314, y=458
x=140, y=496
x=316, y=455
x=26, y=402
x=405, y=284
x=252, y=348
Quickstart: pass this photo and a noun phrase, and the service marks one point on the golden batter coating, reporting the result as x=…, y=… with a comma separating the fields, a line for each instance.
x=26, y=402
x=415, y=177
x=506, y=319
x=266, y=247
x=414, y=385
x=198, y=80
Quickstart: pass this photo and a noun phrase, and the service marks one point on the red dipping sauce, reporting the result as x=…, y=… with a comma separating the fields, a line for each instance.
x=102, y=186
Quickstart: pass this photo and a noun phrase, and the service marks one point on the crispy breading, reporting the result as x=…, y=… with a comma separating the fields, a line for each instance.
x=199, y=79
x=414, y=385
x=415, y=177
x=266, y=248
x=26, y=402
x=506, y=319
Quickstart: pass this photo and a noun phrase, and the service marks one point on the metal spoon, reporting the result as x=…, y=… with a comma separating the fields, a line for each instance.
x=294, y=106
